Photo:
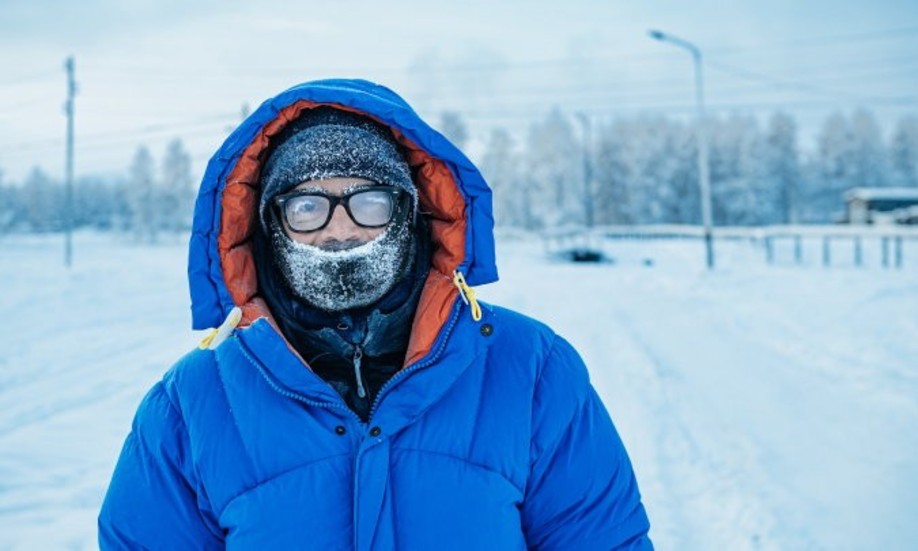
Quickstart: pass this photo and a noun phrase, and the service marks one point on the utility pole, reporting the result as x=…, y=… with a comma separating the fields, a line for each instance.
x=68, y=208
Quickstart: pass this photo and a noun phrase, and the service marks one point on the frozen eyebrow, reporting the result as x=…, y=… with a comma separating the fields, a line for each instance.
x=355, y=187
x=311, y=189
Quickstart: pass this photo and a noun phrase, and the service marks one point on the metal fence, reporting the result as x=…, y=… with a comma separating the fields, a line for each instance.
x=834, y=244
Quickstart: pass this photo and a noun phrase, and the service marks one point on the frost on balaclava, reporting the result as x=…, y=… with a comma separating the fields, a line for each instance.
x=346, y=279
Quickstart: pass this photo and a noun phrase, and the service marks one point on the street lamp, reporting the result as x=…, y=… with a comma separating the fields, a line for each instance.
x=704, y=178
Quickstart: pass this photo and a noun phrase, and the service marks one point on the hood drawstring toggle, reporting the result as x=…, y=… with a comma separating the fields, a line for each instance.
x=467, y=294
x=219, y=334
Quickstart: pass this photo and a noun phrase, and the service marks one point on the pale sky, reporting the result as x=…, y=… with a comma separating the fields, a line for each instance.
x=151, y=71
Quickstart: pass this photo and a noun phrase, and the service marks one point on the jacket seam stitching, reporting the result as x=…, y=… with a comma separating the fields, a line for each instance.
x=275, y=477
x=544, y=364
x=464, y=460
x=535, y=390
x=537, y=385
x=198, y=480
x=238, y=430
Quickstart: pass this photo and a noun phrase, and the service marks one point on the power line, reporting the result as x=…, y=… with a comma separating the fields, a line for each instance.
x=12, y=108
x=642, y=100
x=452, y=67
x=779, y=82
x=910, y=31
x=644, y=89
x=649, y=88
x=906, y=70
x=495, y=65
x=677, y=107
x=218, y=124
x=797, y=85
x=122, y=135
x=500, y=64
x=46, y=75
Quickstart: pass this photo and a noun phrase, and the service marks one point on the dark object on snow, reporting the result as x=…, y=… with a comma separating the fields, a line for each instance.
x=587, y=255
x=583, y=254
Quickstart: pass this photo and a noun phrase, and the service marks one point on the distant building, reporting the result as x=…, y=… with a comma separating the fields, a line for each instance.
x=888, y=205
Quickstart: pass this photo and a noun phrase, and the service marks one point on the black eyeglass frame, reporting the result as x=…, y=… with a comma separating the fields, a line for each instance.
x=280, y=203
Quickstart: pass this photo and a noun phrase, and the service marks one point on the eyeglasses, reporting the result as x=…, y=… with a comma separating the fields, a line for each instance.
x=309, y=211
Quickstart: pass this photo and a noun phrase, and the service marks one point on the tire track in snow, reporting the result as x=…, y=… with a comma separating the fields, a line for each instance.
x=671, y=526
x=848, y=423
x=707, y=500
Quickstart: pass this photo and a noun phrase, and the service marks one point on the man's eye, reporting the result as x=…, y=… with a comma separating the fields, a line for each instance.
x=306, y=205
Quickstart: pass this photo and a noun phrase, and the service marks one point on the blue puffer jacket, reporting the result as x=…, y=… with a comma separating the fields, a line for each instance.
x=490, y=437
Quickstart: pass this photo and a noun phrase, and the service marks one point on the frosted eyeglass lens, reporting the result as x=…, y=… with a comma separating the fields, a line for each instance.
x=372, y=208
x=307, y=212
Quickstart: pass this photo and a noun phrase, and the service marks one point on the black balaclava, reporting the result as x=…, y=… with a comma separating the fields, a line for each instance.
x=325, y=143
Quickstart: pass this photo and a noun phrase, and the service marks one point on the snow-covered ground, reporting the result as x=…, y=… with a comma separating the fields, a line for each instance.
x=763, y=407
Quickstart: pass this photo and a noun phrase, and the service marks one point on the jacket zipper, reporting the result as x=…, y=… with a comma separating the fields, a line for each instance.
x=423, y=362
x=298, y=397
x=358, y=359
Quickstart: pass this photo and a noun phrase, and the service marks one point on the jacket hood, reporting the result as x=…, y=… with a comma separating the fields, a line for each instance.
x=451, y=190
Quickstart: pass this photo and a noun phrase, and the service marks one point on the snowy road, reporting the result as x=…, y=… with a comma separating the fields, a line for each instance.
x=763, y=408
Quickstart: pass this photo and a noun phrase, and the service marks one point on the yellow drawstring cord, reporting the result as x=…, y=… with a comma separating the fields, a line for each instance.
x=219, y=334
x=467, y=294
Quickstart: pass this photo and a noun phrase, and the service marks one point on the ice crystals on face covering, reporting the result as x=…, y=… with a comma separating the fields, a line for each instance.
x=335, y=279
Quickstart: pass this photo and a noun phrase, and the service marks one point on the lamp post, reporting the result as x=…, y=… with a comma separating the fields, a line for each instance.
x=704, y=177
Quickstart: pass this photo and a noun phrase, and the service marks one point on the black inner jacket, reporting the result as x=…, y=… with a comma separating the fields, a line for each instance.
x=329, y=342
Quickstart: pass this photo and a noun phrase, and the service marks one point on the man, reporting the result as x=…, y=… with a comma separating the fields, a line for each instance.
x=356, y=395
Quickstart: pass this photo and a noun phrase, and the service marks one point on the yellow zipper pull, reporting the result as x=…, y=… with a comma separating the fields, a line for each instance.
x=219, y=334
x=467, y=294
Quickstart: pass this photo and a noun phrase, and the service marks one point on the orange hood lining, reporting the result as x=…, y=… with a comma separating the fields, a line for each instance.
x=439, y=198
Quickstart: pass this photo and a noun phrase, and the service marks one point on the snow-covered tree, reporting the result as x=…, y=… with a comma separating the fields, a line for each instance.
x=904, y=152
x=453, y=127
x=828, y=174
x=500, y=165
x=741, y=192
x=177, y=189
x=849, y=154
x=645, y=172
x=669, y=174
x=683, y=149
x=611, y=176
x=782, y=166
x=426, y=75
x=8, y=206
x=555, y=173
x=43, y=199
x=868, y=163
x=142, y=197
x=97, y=203
x=12, y=211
